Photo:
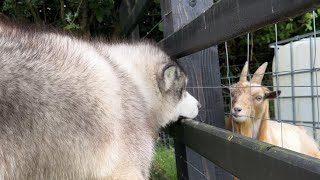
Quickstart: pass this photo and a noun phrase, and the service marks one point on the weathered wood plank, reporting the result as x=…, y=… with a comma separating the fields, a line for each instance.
x=202, y=68
x=229, y=19
x=130, y=13
x=246, y=158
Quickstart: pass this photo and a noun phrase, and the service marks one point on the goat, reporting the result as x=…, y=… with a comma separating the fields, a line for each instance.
x=250, y=116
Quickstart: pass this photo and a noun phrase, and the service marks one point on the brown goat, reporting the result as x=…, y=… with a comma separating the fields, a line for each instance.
x=250, y=116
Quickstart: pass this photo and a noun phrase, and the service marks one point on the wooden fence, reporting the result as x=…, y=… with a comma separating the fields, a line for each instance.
x=192, y=29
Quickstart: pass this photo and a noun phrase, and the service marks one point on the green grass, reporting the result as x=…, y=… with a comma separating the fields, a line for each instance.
x=164, y=164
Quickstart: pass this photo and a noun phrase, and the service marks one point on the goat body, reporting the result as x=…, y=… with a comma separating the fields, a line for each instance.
x=250, y=116
x=288, y=136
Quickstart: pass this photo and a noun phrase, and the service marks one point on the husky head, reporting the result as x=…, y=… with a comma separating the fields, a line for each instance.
x=172, y=83
x=160, y=80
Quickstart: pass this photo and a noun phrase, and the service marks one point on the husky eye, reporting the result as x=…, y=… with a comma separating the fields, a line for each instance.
x=259, y=98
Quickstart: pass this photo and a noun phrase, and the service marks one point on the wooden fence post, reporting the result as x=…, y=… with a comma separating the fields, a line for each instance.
x=203, y=70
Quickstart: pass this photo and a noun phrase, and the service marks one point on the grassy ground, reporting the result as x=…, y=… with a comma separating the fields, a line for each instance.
x=164, y=164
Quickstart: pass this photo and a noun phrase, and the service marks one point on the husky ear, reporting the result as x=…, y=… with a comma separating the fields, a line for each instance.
x=169, y=76
x=272, y=94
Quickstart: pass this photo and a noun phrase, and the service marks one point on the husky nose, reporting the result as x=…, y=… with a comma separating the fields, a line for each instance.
x=237, y=109
x=199, y=105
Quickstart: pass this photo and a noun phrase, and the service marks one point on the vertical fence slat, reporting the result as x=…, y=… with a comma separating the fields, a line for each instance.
x=180, y=148
x=203, y=70
x=292, y=85
x=312, y=89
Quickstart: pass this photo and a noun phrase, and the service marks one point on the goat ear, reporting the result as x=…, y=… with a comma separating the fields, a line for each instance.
x=272, y=94
x=225, y=89
x=258, y=75
x=244, y=73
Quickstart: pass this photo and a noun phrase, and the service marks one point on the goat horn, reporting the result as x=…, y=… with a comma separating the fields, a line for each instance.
x=258, y=75
x=244, y=72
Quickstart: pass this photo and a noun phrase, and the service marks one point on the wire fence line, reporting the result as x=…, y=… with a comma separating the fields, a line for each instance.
x=157, y=24
x=294, y=91
x=190, y=165
x=298, y=123
x=221, y=87
x=314, y=60
x=274, y=82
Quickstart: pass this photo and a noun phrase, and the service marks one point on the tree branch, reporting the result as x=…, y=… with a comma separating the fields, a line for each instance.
x=84, y=21
x=62, y=13
x=34, y=13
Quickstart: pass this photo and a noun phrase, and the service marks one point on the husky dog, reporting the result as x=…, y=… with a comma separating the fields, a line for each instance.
x=76, y=109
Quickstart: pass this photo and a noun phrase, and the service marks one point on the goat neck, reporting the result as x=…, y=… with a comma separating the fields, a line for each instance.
x=262, y=134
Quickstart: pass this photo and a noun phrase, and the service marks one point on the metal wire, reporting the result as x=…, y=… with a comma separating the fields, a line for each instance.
x=282, y=73
x=190, y=165
x=313, y=86
x=295, y=38
x=292, y=83
x=249, y=76
x=277, y=75
x=314, y=60
x=280, y=120
x=248, y=49
x=228, y=73
x=215, y=87
x=165, y=15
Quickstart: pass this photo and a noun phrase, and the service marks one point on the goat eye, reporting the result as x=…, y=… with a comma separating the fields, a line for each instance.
x=259, y=98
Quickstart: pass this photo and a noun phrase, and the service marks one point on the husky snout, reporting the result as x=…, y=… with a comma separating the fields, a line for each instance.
x=189, y=106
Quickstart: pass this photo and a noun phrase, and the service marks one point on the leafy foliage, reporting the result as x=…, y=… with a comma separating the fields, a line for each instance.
x=101, y=18
x=151, y=26
x=86, y=17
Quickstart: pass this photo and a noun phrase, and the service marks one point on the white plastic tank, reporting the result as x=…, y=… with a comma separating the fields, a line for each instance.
x=298, y=57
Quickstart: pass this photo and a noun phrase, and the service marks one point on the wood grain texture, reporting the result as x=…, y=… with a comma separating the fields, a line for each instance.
x=225, y=20
x=247, y=158
x=202, y=69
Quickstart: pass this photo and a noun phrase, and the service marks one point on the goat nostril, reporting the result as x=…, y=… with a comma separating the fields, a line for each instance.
x=237, y=109
x=199, y=105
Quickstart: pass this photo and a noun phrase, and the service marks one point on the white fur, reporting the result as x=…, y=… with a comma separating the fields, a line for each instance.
x=83, y=110
x=256, y=127
x=239, y=119
x=188, y=107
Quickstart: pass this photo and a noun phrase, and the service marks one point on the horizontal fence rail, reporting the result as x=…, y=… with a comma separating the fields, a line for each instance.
x=244, y=157
x=228, y=19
